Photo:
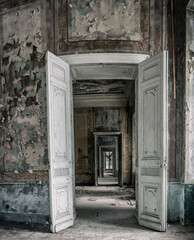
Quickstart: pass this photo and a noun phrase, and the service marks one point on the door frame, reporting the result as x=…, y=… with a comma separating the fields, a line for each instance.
x=108, y=58
x=96, y=153
x=99, y=58
x=102, y=58
x=101, y=158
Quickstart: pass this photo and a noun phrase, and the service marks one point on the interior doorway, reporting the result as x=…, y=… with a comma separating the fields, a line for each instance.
x=108, y=160
x=103, y=142
x=103, y=112
x=151, y=103
x=107, y=171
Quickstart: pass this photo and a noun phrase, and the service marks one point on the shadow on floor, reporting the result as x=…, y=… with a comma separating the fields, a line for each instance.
x=106, y=207
x=10, y=226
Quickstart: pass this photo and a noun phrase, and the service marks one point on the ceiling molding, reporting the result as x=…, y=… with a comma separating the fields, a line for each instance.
x=101, y=100
x=94, y=58
x=104, y=71
x=106, y=133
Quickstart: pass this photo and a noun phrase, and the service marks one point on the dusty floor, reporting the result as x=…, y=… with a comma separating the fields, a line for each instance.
x=102, y=213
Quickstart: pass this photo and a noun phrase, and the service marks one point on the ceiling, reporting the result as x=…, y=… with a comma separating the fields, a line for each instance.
x=103, y=84
x=100, y=86
x=104, y=72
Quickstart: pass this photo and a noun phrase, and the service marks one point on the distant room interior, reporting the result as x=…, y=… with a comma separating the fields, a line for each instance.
x=104, y=107
x=103, y=125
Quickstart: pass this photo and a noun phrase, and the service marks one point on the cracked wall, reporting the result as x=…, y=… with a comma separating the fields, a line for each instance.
x=23, y=101
x=33, y=203
x=108, y=25
x=79, y=29
x=105, y=19
x=23, y=115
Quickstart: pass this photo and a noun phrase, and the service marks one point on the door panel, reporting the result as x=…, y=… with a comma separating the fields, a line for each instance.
x=59, y=143
x=152, y=142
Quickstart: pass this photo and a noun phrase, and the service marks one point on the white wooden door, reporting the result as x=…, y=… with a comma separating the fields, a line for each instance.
x=152, y=142
x=59, y=143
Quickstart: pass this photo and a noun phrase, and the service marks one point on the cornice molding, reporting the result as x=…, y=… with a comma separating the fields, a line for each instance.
x=94, y=58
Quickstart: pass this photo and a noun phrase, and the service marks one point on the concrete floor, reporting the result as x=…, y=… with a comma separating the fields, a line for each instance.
x=102, y=213
x=108, y=181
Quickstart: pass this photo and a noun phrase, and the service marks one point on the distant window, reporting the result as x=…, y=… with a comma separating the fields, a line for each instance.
x=109, y=160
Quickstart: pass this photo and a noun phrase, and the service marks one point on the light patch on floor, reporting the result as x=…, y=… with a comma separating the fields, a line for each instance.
x=106, y=207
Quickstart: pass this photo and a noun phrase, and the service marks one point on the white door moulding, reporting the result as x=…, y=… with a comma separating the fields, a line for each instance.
x=95, y=58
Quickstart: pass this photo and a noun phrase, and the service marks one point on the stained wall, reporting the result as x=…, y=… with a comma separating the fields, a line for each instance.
x=23, y=115
x=30, y=28
x=180, y=111
x=97, y=26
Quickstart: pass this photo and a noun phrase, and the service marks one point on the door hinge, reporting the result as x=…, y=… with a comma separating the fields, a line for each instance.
x=164, y=164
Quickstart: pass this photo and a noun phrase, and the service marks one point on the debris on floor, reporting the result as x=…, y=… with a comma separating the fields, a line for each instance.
x=110, y=217
x=91, y=199
x=130, y=202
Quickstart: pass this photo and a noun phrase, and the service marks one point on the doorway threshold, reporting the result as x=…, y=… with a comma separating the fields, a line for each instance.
x=109, y=181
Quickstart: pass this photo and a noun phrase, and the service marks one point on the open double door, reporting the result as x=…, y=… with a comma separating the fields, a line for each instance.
x=151, y=149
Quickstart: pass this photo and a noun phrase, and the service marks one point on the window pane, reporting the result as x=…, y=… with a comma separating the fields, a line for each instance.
x=107, y=163
x=110, y=165
x=109, y=160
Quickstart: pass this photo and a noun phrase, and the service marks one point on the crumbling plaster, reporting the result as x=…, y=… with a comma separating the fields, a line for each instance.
x=105, y=19
x=23, y=94
x=23, y=140
x=23, y=106
x=24, y=203
x=93, y=25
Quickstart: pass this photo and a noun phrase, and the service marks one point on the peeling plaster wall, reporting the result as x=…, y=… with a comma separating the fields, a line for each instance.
x=101, y=86
x=181, y=114
x=23, y=144
x=23, y=137
x=108, y=25
x=105, y=19
x=24, y=203
x=23, y=100
x=23, y=115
